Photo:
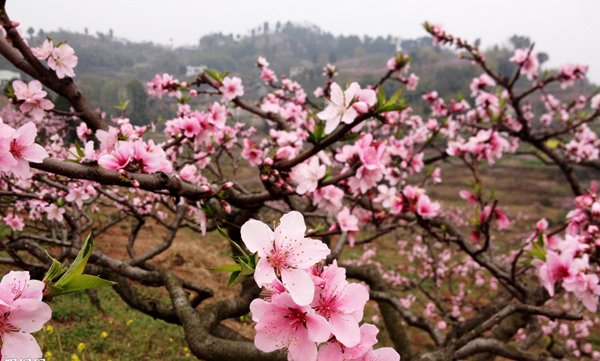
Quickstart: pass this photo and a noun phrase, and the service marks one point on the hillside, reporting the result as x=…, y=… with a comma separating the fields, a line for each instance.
x=111, y=69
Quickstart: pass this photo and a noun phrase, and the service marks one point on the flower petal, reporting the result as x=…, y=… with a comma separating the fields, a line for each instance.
x=337, y=95
x=345, y=328
x=257, y=237
x=291, y=226
x=301, y=348
x=353, y=298
x=21, y=169
x=328, y=113
x=29, y=315
x=20, y=345
x=349, y=115
x=299, y=284
x=331, y=351
x=331, y=124
x=350, y=93
x=25, y=134
x=307, y=252
x=34, y=153
x=318, y=328
x=264, y=273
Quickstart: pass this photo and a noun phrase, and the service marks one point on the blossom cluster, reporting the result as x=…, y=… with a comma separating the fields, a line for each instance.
x=23, y=313
x=164, y=84
x=18, y=148
x=32, y=98
x=567, y=261
x=308, y=304
x=60, y=57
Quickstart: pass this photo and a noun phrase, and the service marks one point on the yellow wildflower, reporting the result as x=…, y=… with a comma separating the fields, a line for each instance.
x=80, y=347
x=104, y=334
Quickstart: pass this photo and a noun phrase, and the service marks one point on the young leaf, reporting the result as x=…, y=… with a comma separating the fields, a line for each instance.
x=78, y=265
x=56, y=270
x=380, y=97
x=123, y=104
x=214, y=74
x=73, y=279
x=82, y=282
x=246, y=269
x=235, y=278
x=227, y=268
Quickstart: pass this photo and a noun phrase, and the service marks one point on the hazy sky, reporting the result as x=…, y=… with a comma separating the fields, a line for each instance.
x=568, y=30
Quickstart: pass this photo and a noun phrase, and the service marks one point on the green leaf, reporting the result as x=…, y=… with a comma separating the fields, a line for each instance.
x=380, y=97
x=72, y=279
x=123, y=104
x=319, y=227
x=56, y=270
x=395, y=103
x=80, y=152
x=223, y=232
x=391, y=108
x=9, y=91
x=537, y=251
x=540, y=238
x=214, y=74
x=312, y=137
x=319, y=130
x=396, y=97
x=235, y=279
x=227, y=268
x=246, y=269
x=82, y=282
x=78, y=265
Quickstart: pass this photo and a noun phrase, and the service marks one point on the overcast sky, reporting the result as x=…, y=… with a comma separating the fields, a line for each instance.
x=568, y=30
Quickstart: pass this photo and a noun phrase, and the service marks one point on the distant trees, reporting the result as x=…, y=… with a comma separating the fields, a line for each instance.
x=138, y=102
x=112, y=63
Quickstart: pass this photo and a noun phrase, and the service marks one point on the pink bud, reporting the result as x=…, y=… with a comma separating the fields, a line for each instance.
x=360, y=107
x=226, y=206
x=227, y=185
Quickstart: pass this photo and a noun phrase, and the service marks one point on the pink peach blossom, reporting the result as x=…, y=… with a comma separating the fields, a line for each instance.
x=33, y=97
x=23, y=313
x=282, y=323
x=341, y=303
x=22, y=149
x=307, y=175
x=285, y=254
x=62, y=61
x=14, y=222
x=231, y=88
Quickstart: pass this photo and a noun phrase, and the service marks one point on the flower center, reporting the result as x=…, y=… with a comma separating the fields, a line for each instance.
x=6, y=327
x=296, y=317
x=15, y=148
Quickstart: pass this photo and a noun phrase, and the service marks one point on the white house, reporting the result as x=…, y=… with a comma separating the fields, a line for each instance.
x=8, y=75
x=194, y=70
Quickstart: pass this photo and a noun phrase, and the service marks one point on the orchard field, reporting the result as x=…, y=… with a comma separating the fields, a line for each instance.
x=364, y=212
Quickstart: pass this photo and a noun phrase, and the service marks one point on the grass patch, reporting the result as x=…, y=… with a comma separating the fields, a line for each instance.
x=78, y=331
